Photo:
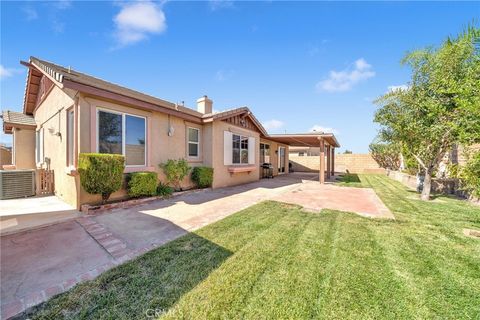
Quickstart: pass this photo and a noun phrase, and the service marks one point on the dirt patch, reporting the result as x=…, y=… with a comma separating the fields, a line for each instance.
x=472, y=233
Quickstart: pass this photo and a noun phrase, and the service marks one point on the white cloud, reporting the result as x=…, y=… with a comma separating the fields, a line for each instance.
x=220, y=4
x=339, y=81
x=8, y=72
x=319, y=128
x=30, y=13
x=62, y=4
x=137, y=20
x=395, y=88
x=222, y=75
x=273, y=124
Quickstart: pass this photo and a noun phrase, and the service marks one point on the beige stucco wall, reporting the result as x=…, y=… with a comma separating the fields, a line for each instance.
x=221, y=176
x=23, y=148
x=354, y=163
x=160, y=146
x=51, y=115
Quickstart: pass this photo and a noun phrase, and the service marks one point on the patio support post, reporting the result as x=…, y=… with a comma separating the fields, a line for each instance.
x=329, y=160
x=321, y=172
x=333, y=161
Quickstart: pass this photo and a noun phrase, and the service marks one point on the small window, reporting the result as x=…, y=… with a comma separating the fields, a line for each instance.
x=301, y=154
x=239, y=149
x=70, y=135
x=193, y=142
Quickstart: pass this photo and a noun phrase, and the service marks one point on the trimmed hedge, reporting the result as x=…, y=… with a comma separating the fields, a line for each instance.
x=202, y=176
x=101, y=173
x=142, y=184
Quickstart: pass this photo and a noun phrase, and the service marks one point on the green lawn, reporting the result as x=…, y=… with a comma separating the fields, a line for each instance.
x=274, y=261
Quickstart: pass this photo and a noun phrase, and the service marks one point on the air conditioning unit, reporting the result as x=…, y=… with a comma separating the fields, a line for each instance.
x=17, y=184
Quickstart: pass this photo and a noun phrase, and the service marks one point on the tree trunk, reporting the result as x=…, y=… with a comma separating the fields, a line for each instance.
x=427, y=186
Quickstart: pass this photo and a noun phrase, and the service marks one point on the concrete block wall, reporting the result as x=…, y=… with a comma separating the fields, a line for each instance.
x=354, y=163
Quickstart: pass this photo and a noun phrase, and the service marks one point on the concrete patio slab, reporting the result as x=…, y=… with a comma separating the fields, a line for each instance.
x=315, y=196
x=18, y=215
x=46, y=257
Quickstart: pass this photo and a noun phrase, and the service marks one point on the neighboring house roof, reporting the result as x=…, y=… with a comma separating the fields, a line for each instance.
x=13, y=119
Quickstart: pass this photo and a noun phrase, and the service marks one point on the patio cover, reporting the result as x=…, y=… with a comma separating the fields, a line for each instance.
x=326, y=141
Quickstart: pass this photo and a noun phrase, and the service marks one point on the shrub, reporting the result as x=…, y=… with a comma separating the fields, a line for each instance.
x=202, y=176
x=175, y=171
x=142, y=184
x=164, y=190
x=469, y=174
x=101, y=173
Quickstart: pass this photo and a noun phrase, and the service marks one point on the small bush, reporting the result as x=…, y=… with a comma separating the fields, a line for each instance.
x=101, y=173
x=469, y=174
x=175, y=171
x=142, y=184
x=164, y=190
x=202, y=176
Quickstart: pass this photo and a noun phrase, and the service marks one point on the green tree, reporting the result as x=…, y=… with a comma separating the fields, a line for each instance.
x=441, y=106
x=386, y=154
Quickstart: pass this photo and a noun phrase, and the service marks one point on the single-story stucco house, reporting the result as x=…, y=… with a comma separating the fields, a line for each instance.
x=66, y=113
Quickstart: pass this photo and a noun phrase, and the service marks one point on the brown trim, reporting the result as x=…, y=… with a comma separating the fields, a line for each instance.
x=55, y=81
x=45, y=95
x=27, y=90
x=20, y=126
x=128, y=100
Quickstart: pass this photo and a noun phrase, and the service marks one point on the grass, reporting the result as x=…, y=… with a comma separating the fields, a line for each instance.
x=350, y=180
x=275, y=261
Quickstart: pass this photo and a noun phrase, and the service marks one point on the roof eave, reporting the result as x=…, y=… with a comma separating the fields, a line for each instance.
x=105, y=94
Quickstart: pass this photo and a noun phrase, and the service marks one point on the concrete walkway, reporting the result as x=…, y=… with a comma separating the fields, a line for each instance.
x=17, y=215
x=38, y=264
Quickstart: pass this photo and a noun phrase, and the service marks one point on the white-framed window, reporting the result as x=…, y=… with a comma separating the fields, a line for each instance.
x=70, y=136
x=239, y=149
x=193, y=142
x=122, y=133
x=264, y=153
x=39, y=156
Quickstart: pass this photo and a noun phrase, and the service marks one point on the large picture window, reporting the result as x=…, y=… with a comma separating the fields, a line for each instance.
x=193, y=142
x=239, y=149
x=121, y=133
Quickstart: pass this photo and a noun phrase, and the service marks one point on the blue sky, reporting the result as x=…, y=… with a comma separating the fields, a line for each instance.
x=297, y=65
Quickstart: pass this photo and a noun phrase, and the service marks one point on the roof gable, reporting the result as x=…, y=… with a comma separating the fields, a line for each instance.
x=241, y=117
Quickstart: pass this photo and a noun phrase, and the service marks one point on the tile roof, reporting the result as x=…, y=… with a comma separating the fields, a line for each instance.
x=60, y=74
x=18, y=118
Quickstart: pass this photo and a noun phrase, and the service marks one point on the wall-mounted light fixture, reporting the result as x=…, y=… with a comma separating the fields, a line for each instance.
x=171, y=131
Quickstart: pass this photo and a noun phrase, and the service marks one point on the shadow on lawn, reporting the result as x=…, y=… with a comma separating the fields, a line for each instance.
x=150, y=284
x=350, y=178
